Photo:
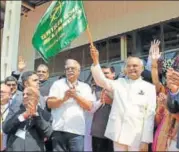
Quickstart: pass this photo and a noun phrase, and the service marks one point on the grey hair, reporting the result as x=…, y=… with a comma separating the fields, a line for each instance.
x=77, y=63
x=130, y=57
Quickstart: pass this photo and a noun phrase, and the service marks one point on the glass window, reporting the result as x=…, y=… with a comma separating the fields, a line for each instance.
x=85, y=75
x=114, y=49
x=119, y=68
x=102, y=48
x=59, y=62
x=171, y=35
x=138, y=42
x=87, y=61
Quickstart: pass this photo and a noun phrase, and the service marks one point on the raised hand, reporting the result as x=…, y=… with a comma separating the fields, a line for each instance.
x=154, y=51
x=172, y=77
x=21, y=64
x=32, y=108
x=94, y=55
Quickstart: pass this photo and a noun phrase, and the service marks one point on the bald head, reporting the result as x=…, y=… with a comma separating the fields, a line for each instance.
x=134, y=67
x=72, y=70
x=5, y=94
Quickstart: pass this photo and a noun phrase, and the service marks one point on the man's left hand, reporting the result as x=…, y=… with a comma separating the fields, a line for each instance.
x=173, y=76
x=72, y=93
x=144, y=147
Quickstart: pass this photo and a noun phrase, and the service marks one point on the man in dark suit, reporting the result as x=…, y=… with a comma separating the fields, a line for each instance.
x=17, y=96
x=4, y=106
x=27, y=125
x=30, y=79
x=100, y=118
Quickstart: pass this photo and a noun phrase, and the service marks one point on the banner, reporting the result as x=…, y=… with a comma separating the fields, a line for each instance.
x=63, y=22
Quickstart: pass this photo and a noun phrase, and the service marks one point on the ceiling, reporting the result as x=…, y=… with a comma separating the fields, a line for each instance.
x=27, y=5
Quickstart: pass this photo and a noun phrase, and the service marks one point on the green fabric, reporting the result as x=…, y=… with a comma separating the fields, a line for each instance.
x=60, y=25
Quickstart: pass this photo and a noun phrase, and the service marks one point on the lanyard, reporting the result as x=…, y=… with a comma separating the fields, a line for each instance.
x=71, y=85
x=5, y=110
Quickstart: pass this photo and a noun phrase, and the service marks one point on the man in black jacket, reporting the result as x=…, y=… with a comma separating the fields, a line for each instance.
x=27, y=125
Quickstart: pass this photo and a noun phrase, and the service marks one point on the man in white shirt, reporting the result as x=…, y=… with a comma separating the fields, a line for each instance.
x=68, y=100
x=5, y=99
x=131, y=120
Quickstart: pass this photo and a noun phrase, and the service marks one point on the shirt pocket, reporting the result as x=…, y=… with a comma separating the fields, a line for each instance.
x=139, y=105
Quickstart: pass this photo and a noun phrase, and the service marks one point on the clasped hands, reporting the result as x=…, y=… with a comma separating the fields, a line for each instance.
x=71, y=93
x=54, y=102
x=31, y=109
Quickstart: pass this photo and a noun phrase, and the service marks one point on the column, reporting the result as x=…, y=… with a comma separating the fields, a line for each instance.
x=10, y=37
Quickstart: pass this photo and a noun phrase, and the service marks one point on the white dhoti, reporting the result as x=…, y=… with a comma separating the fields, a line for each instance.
x=120, y=147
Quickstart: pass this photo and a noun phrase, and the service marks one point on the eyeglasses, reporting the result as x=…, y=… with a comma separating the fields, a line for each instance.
x=70, y=69
x=13, y=85
x=27, y=94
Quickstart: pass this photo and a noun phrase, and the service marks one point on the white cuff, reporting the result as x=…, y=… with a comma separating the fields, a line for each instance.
x=96, y=105
x=21, y=118
x=97, y=65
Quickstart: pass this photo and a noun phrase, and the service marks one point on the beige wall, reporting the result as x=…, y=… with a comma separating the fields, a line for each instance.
x=106, y=18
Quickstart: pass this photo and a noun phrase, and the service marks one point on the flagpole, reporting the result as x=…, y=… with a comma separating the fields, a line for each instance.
x=89, y=36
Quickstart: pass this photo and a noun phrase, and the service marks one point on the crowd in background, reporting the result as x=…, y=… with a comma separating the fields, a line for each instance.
x=136, y=112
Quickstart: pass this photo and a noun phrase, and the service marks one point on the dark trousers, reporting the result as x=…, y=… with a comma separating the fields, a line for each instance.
x=68, y=142
x=48, y=145
x=102, y=145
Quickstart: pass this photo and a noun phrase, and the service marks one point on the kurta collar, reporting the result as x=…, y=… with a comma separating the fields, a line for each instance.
x=134, y=81
x=71, y=84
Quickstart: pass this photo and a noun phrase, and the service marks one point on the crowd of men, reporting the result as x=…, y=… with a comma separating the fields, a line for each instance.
x=109, y=114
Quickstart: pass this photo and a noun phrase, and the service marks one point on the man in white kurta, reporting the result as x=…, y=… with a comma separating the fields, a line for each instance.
x=131, y=120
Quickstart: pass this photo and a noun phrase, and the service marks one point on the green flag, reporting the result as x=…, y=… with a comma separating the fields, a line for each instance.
x=60, y=25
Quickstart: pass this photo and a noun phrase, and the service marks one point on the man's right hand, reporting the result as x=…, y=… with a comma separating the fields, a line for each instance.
x=94, y=55
x=173, y=77
x=53, y=102
x=66, y=96
x=21, y=64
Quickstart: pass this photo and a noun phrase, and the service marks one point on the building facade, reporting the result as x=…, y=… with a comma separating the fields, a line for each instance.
x=119, y=29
